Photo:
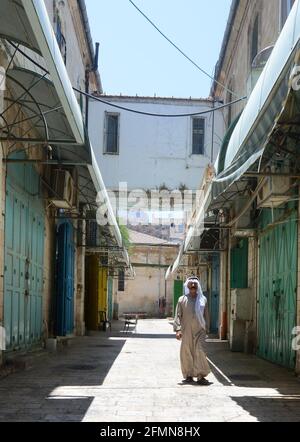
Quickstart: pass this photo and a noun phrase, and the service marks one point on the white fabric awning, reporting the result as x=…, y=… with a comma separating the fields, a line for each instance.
x=26, y=22
x=198, y=227
x=100, y=187
x=16, y=26
x=42, y=29
x=178, y=260
x=37, y=96
x=168, y=273
x=263, y=110
x=112, y=222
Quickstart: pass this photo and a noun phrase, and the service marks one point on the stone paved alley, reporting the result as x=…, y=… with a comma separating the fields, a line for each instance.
x=119, y=378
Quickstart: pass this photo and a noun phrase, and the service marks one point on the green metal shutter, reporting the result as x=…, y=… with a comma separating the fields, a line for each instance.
x=239, y=265
x=23, y=257
x=278, y=287
x=110, y=298
x=178, y=292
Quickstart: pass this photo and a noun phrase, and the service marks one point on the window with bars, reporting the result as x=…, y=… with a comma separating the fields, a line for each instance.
x=286, y=6
x=198, y=136
x=111, y=144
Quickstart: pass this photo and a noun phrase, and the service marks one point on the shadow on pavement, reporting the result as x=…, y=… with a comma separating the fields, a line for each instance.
x=271, y=409
x=239, y=370
x=86, y=363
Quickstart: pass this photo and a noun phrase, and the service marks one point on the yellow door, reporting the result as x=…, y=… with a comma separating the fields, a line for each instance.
x=96, y=292
x=102, y=290
x=91, y=295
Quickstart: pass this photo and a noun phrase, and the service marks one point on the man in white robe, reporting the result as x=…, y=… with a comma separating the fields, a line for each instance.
x=191, y=325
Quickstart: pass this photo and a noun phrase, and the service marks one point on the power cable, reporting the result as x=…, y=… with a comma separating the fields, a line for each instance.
x=180, y=50
x=94, y=97
x=150, y=114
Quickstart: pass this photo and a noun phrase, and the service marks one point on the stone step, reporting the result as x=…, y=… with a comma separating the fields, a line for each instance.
x=20, y=361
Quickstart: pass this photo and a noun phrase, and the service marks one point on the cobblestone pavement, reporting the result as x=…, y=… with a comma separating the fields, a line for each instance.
x=136, y=377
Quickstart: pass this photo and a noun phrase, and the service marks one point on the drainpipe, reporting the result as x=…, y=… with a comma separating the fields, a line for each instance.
x=224, y=291
x=85, y=20
x=227, y=293
x=96, y=60
x=87, y=91
x=88, y=71
x=213, y=132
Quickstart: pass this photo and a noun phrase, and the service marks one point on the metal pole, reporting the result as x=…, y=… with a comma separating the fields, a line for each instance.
x=87, y=90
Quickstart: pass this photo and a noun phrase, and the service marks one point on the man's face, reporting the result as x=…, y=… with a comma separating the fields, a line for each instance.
x=193, y=287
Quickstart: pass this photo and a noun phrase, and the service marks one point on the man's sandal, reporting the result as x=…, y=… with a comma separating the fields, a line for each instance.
x=203, y=381
x=188, y=380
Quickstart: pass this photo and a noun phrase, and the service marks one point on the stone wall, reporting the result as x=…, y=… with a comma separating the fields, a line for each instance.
x=143, y=292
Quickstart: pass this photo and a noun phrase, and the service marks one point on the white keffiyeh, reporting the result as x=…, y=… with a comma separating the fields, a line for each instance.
x=200, y=301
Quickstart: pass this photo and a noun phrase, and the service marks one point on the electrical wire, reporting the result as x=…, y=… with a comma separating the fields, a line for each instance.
x=150, y=114
x=94, y=97
x=180, y=50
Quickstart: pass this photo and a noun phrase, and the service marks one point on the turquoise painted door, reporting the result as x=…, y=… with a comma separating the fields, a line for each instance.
x=24, y=258
x=239, y=265
x=65, y=279
x=278, y=288
x=110, y=297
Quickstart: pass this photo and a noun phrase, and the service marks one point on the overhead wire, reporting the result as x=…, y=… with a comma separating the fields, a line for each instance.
x=180, y=50
x=150, y=114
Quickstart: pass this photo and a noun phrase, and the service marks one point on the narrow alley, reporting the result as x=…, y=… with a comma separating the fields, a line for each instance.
x=117, y=377
x=150, y=212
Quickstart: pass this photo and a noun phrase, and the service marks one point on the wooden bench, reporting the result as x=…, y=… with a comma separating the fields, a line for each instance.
x=132, y=319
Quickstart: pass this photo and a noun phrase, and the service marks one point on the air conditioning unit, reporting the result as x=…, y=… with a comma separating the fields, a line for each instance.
x=241, y=304
x=241, y=312
x=274, y=193
x=63, y=187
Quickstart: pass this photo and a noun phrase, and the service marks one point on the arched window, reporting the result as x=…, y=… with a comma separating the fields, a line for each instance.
x=254, y=40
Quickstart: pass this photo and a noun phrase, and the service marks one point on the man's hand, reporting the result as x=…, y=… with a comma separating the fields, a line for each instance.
x=178, y=336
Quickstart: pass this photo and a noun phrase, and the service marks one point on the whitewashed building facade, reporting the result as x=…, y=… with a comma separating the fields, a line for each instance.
x=154, y=152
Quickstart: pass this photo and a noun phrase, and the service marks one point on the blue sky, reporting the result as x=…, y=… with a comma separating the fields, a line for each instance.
x=135, y=59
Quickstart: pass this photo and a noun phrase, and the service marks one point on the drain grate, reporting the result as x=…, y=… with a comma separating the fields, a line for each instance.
x=245, y=377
